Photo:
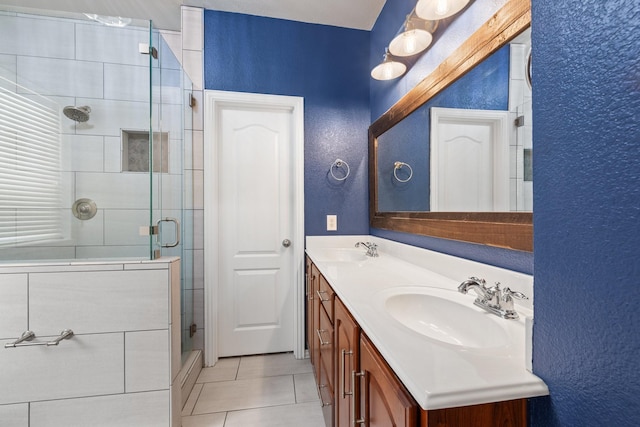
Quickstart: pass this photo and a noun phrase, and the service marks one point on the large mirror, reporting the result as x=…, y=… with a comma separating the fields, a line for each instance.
x=452, y=158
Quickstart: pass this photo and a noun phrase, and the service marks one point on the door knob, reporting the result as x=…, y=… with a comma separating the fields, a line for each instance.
x=286, y=243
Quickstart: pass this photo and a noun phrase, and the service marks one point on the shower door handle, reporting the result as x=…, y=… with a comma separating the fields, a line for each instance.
x=177, y=224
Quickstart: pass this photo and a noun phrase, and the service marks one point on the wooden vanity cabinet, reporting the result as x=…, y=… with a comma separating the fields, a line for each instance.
x=347, y=352
x=383, y=400
x=311, y=280
x=510, y=413
x=320, y=337
x=339, y=348
x=313, y=310
x=326, y=383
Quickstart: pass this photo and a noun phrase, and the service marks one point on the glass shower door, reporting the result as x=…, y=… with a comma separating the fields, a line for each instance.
x=171, y=145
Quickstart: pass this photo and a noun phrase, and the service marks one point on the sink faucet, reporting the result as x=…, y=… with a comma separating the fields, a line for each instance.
x=494, y=300
x=372, y=248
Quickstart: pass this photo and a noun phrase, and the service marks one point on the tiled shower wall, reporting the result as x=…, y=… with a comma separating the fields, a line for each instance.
x=520, y=104
x=82, y=63
x=189, y=46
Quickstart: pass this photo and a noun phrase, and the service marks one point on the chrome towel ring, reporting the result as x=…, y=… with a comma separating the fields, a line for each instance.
x=338, y=164
x=400, y=165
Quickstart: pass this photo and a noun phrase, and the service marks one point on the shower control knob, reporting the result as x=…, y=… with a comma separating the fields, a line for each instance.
x=84, y=209
x=286, y=243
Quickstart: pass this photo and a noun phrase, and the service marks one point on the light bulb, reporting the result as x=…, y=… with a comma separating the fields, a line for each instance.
x=388, y=69
x=409, y=42
x=442, y=7
x=434, y=10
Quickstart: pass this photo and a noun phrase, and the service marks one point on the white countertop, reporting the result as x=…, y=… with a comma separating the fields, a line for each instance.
x=436, y=374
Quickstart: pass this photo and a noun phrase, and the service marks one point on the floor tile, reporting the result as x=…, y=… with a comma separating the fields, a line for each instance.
x=191, y=401
x=245, y=394
x=224, y=370
x=303, y=414
x=272, y=365
x=306, y=390
x=208, y=420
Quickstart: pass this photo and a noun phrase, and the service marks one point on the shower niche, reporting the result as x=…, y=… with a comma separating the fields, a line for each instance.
x=135, y=151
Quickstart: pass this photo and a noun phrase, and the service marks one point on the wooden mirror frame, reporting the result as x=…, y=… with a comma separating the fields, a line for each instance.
x=513, y=230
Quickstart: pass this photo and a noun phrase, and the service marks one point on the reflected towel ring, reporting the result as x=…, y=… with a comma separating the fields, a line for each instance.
x=528, y=69
x=338, y=164
x=399, y=165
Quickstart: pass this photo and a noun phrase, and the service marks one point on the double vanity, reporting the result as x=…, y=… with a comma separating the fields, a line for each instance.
x=394, y=342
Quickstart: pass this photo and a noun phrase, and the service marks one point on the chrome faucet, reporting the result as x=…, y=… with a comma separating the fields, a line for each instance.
x=494, y=300
x=372, y=248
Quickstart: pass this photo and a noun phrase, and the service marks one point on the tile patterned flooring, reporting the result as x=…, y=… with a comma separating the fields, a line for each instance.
x=274, y=390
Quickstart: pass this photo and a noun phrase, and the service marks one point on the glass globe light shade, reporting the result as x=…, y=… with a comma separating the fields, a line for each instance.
x=410, y=42
x=388, y=69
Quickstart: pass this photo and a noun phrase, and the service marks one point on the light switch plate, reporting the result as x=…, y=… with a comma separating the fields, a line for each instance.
x=332, y=222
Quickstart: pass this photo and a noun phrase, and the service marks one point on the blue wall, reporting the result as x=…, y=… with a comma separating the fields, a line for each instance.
x=385, y=94
x=586, y=183
x=328, y=66
x=586, y=102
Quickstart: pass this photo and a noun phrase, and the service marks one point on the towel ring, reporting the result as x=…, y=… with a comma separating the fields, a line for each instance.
x=400, y=165
x=338, y=164
x=527, y=69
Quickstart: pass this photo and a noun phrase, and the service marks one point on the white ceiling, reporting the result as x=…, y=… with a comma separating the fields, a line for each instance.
x=358, y=14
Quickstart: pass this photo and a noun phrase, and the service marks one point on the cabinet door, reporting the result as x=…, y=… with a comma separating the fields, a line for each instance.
x=315, y=321
x=309, y=307
x=347, y=334
x=326, y=384
x=383, y=399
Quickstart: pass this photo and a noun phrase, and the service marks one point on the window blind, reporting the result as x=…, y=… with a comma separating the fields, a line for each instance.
x=30, y=187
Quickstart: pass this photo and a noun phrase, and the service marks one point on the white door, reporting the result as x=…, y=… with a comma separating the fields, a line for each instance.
x=256, y=225
x=469, y=160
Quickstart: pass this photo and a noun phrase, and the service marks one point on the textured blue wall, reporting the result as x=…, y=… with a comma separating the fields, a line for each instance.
x=385, y=94
x=328, y=66
x=586, y=104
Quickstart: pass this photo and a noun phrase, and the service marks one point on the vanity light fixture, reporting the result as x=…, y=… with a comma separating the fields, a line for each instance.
x=415, y=37
x=439, y=9
x=110, y=21
x=388, y=69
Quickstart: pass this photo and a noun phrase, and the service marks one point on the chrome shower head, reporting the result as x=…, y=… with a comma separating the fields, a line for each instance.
x=77, y=114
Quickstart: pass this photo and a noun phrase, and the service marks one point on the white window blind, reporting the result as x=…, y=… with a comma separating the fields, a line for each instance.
x=30, y=188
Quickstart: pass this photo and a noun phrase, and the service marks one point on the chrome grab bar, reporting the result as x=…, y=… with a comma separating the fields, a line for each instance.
x=319, y=332
x=355, y=420
x=177, y=224
x=306, y=285
x=28, y=336
x=64, y=335
x=312, y=281
x=344, y=393
x=320, y=387
x=320, y=296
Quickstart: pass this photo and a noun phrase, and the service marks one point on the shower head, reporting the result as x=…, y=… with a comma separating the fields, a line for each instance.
x=77, y=114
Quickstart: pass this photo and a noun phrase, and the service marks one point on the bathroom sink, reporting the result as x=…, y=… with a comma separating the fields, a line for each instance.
x=341, y=255
x=444, y=316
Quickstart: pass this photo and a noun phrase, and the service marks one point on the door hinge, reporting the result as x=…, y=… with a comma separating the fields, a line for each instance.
x=192, y=330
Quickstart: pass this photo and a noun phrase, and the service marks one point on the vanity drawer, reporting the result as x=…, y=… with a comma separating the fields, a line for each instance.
x=327, y=296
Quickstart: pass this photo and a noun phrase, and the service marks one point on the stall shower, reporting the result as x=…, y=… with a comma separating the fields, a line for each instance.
x=94, y=130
